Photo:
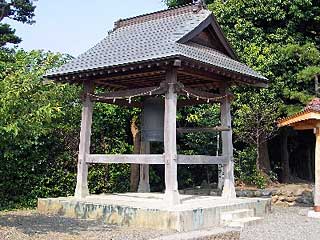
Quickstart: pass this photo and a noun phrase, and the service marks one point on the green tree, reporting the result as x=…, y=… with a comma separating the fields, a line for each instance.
x=255, y=122
x=39, y=133
x=280, y=39
x=174, y=3
x=18, y=10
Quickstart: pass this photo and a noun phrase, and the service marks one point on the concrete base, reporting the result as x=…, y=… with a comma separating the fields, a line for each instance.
x=313, y=214
x=149, y=210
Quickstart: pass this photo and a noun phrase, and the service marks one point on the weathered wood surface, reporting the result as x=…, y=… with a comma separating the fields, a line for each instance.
x=203, y=129
x=128, y=93
x=170, y=141
x=82, y=190
x=199, y=93
x=227, y=147
x=126, y=158
x=149, y=159
x=191, y=102
x=120, y=102
x=201, y=159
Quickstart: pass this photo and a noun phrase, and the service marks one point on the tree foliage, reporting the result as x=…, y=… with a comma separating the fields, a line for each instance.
x=174, y=3
x=280, y=39
x=39, y=133
x=18, y=10
x=40, y=120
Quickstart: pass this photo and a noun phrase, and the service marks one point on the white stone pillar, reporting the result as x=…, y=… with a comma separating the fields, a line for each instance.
x=170, y=141
x=84, y=147
x=227, y=147
x=144, y=185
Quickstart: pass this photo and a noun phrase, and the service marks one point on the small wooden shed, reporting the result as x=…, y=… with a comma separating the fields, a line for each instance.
x=309, y=118
x=179, y=51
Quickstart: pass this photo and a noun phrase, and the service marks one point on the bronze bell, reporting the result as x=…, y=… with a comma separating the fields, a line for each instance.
x=153, y=119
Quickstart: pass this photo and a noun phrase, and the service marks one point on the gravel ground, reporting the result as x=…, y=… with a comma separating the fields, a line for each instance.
x=285, y=224
x=28, y=225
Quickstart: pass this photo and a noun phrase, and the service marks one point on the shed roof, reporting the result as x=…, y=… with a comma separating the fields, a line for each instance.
x=160, y=35
x=309, y=118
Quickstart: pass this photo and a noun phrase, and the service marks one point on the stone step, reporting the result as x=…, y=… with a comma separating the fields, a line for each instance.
x=230, y=216
x=244, y=222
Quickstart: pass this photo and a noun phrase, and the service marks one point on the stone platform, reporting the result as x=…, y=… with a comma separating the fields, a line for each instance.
x=148, y=210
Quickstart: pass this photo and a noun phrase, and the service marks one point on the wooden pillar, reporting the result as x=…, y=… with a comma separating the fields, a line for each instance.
x=317, y=173
x=84, y=146
x=220, y=166
x=227, y=147
x=144, y=185
x=170, y=141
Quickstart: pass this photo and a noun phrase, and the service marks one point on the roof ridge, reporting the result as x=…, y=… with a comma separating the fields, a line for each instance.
x=172, y=11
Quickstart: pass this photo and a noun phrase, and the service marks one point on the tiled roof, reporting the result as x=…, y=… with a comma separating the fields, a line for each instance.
x=150, y=37
x=314, y=105
x=311, y=111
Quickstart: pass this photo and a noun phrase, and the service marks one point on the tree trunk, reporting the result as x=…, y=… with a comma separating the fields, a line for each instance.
x=285, y=157
x=134, y=175
x=264, y=160
x=258, y=153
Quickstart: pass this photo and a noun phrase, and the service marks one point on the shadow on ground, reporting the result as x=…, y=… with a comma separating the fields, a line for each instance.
x=31, y=223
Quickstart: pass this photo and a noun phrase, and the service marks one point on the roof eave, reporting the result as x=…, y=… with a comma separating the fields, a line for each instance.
x=304, y=115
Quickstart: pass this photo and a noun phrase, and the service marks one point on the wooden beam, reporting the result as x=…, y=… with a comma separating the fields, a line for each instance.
x=191, y=102
x=212, y=77
x=227, y=147
x=128, y=93
x=120, y=102
x=126, y=158
x=196, y=92
x=132, y=75
x=170, y=141
x=204, y=129
x=82, y=190
x=149, y=159
x=304, y=127
x=201, y=159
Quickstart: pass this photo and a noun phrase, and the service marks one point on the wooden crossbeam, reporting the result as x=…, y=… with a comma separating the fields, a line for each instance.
x=126, y=158
x=192, y=102
x=200, y=93
x=204, y=129
x=121, y=102
x=201, y=159
x=127, y=93
x=153, y=159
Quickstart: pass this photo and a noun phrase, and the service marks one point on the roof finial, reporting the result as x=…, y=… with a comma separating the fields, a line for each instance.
x=199, y=4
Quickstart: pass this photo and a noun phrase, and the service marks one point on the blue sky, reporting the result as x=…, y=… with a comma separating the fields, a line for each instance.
x=73, y=26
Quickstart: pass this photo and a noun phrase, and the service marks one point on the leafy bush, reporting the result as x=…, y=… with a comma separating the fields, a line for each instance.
x=39, y=134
